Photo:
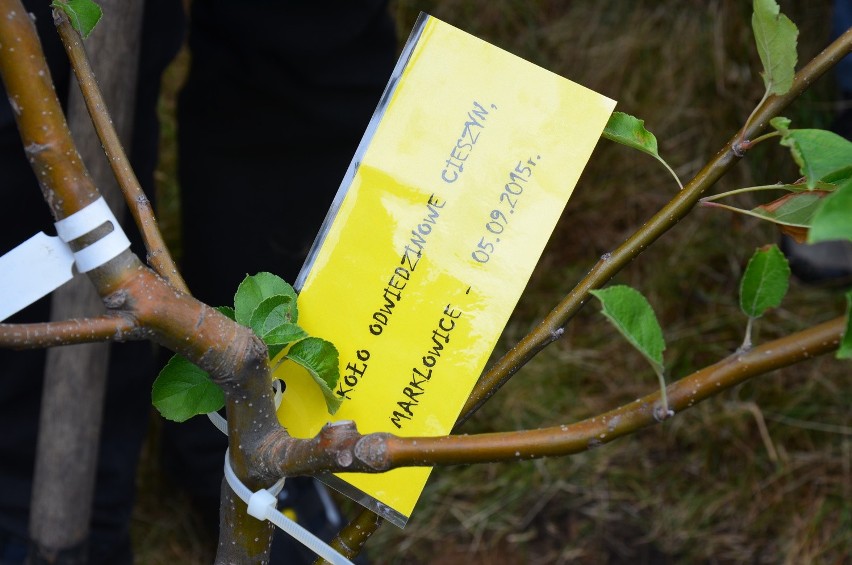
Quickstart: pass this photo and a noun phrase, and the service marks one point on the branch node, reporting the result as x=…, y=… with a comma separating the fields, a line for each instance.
x=372, y=450
x=740, y=147
x=557, y=333
x=662, y=414
x=116, y=300
x=345, y=458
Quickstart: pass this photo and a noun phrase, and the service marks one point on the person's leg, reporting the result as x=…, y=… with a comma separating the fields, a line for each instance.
x=127, y=404
x=278, y=96
x=277, y=99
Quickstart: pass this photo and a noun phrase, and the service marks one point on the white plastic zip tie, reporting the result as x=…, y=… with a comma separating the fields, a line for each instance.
x=218, y=421
x=82, y=222
x=261, y=505
x=43, y=263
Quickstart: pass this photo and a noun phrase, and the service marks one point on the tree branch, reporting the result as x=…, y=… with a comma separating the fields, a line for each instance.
x=550, y=328
x=349, y=541
x=44, y=132
x=340, y=448
x=140, y=207
x=69, y=332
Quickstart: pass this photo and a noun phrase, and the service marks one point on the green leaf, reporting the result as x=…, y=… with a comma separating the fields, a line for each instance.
x=272, y=312
x=254, y=290
x=781, y=124
x=765, y=281
x=84, y=15
x=228, y=311
x=630, y=131
x=775, y=36
x=821, y=155
x=845, y=349
x=183, y=390
x=793, y=213
x=833, y=219
x=795, y=209
x=838, y=177
x=320, y=358
x=633, y=316
x=280, y=337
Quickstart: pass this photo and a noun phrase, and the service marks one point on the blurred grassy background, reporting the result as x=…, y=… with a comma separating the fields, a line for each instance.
x=760, y=474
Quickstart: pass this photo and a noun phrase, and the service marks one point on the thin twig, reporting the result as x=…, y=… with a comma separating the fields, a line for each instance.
x=354, y=535
x=68, y=332
x=720, y=195
x=140, y=207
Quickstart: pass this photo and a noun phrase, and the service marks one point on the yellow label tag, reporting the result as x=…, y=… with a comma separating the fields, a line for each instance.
x=456, y=188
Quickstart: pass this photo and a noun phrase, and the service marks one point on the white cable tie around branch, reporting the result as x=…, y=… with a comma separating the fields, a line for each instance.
x=261, y=505
x=43, y=263
x=84, y=221
x=218, y=421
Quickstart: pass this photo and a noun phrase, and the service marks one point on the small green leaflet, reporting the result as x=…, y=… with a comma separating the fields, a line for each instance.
x=781, y=124
x=84, y=15
x=183, y=390
x=833, y=219
x=838, y=177
x=633, y=316
x=820, y=154
x=254, y=290
x=775, y=36
x=793, y=213
x=227, y=311
x=845, y=349
x=765, y=281
x=272, y=312
x=320, y=358
x=630, y=131
x=280, y=337
x=796, y=209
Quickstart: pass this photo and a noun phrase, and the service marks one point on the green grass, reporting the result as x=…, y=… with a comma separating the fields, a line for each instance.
x=759, y=474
